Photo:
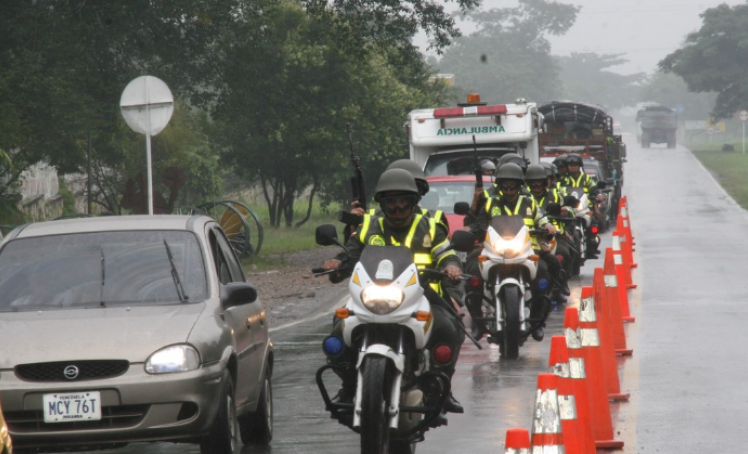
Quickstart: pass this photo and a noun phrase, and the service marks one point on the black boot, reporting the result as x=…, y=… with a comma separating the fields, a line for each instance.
x=452, y=405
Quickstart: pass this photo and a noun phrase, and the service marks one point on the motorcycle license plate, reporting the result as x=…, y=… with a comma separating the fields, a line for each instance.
x=71, y=407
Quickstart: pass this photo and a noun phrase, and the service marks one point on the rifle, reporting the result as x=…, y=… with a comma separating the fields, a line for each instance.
x=478, y=170
x=357, y=185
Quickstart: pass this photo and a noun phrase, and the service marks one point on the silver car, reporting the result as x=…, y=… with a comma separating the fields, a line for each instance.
x=128, y=329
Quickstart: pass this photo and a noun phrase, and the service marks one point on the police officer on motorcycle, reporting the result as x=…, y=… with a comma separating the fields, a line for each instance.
x=538, y=181
x=510, y=179
x=403, y=225
x=576, y=178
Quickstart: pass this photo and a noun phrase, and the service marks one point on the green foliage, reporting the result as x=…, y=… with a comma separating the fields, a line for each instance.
x=290, y=88
x=509, y=56
x=585, y=78
x=713, y=58
x=68, y=199
x=728, y=168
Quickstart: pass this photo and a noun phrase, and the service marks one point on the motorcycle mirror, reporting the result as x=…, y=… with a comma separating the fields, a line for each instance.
x=461, y=208
x=602, y=184
x=463, y=241
x=554, y=209
x=326, y=235
x=610, y=181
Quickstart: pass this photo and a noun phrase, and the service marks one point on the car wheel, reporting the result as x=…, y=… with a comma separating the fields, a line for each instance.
x=256, y=428
x=222, y=438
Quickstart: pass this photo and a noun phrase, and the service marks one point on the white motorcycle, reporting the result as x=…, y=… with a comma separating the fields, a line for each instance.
x=388, y=320
x=508, y=265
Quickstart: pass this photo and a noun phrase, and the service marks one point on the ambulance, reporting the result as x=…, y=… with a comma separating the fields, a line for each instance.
x=441, y=141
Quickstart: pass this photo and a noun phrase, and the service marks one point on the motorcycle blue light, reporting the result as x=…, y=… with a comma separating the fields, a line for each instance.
x=543, y=284
x=332, y=345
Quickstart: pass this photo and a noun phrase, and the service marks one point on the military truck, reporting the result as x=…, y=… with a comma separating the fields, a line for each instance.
x=586, y=129
x=656, y=124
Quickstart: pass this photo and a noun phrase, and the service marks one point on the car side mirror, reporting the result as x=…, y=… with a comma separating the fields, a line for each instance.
x=326, y=235
x=237, y=294
x=461, y=208
x=463, y=241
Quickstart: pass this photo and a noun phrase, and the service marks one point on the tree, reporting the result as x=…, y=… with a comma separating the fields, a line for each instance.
x=584, y=78
x=509, y=56
x=713, y=58
x=290, y=87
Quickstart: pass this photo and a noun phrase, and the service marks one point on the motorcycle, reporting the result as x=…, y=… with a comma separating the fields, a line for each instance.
x=584, y=233
x=508, y=266
x=388, y=321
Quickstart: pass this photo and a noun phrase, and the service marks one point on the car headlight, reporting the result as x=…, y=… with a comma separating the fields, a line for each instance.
x=176, y=358
x=382, y=300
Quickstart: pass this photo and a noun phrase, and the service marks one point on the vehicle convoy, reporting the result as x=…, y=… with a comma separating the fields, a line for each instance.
x=656, y=124
x=388, y=320
x=584, y=129
x=129, y=329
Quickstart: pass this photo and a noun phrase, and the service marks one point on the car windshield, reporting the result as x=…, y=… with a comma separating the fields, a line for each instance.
x=443, y=195
x=98, y=269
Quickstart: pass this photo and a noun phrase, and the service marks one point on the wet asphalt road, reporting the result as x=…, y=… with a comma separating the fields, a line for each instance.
x=687, y=371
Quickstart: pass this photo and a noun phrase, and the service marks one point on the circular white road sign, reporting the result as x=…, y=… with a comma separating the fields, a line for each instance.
x=743, y=115
x=147, y=105
x=710, y=131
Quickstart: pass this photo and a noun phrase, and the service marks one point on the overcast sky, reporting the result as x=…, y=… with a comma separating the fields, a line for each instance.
x=645, y=30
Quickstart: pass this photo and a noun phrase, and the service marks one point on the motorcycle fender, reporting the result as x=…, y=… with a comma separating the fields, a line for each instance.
x=523, y=295
x=398, y=360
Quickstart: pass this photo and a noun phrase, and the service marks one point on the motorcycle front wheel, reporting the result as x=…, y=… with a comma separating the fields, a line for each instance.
x=375, y=432
x=510, y=347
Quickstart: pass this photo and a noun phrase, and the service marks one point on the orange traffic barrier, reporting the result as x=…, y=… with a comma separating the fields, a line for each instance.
x=599, y=409
x=577, y=431
x=623, y=220
x=547, y=436
x=592, y=316
x=620, y=259
x=617, y=295
x=517, y=441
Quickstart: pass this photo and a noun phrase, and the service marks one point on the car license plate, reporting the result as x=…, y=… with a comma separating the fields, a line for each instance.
x=462, y=255
x=71, y=407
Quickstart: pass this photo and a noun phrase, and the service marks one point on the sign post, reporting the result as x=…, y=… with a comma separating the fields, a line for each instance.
x=710, y=133
x=743, y=117
x=147, y=106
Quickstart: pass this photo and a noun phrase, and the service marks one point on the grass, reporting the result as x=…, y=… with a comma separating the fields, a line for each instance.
x=728, y=167
x=281, y=241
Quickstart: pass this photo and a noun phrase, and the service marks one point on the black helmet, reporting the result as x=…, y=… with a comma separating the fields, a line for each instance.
x=513, y=158
x=535, y=172
x=560, y=161
x=549, y=169
x=574, y=159
x=487, y=164
x=398, y=181
x=510, y=171
x=415, y=170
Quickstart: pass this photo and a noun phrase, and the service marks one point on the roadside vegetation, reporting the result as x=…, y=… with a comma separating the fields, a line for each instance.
x=728, y=167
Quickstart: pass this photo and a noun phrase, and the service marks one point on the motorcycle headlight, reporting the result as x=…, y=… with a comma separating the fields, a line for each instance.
x=509, y=249
x=176, y=358
x=382, y=300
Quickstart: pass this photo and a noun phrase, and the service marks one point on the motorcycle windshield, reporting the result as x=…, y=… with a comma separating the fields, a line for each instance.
x=576, y=192
x=385, y=263
x=507, y=226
